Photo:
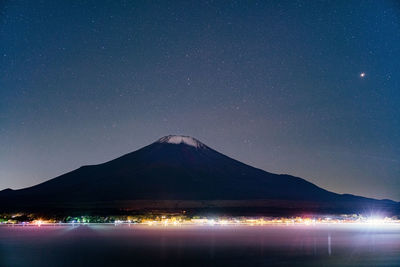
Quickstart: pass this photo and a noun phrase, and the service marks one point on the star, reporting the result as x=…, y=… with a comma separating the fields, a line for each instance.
x=362, y=74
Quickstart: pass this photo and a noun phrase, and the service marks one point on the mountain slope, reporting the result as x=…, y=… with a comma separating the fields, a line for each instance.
x=173, y=168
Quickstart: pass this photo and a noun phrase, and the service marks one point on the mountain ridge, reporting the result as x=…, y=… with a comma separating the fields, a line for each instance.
x=178, y=168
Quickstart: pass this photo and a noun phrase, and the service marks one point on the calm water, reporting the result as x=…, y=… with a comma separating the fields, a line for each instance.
x=123, y=245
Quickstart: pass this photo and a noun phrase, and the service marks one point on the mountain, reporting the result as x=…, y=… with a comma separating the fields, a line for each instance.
x=180, y=172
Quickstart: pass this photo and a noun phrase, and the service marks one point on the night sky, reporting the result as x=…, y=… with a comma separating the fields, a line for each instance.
x=277, y=85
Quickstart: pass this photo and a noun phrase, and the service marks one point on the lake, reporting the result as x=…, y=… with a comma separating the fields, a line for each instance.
x=188, y=245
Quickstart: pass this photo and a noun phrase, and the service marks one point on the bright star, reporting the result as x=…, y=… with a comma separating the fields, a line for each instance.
x=362, y=74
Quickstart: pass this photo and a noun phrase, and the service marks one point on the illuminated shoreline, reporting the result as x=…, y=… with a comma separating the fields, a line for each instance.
x=216, y=221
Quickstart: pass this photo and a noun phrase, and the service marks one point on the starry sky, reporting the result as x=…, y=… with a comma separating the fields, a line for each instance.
x=275, y=84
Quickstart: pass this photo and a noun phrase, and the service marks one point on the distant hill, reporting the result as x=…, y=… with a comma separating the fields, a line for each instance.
x=180, y=172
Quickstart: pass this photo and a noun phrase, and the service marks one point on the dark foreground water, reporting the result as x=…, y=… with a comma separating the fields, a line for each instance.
x=123, y=245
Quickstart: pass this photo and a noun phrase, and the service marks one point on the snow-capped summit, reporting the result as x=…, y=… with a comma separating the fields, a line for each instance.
x=181, y=139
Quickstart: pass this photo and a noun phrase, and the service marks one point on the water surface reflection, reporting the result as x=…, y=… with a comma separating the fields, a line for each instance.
x=140, y=245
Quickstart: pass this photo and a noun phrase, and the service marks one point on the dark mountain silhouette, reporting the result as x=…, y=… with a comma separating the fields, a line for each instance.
x=181, y=172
